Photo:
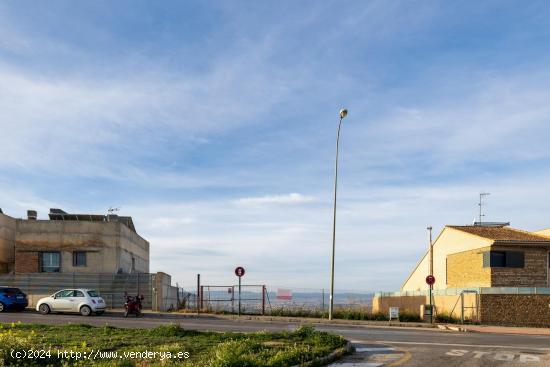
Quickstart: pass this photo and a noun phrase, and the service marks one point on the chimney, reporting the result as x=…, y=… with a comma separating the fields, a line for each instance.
x=32, y=214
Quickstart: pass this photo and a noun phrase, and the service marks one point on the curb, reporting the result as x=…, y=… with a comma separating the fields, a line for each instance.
x=333, y=356
x=297, y=320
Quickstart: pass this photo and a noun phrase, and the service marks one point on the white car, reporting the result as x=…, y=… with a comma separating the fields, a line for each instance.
x=83, y=301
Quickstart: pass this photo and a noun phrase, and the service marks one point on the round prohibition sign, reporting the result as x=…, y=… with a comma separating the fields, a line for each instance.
x=239, y=271
x=430, y=280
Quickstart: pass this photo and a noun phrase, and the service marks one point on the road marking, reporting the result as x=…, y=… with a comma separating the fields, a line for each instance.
x=500, y=356
x=381, y=349
x=405, y=359
x=464, y=345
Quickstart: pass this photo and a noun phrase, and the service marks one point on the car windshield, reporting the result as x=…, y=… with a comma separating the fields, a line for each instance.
x=93, y=294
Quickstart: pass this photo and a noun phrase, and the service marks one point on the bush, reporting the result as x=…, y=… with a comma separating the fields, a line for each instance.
x=446, y=318
x=409, y=317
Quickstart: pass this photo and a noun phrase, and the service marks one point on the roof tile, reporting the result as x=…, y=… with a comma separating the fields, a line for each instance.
x=502, y=234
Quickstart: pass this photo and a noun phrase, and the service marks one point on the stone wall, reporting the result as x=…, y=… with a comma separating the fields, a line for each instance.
x=405, y=303
x=7, y=243
x=448, y=305
x=515, y=309
x=27, y=262
x=533, y=274
x=465, y=269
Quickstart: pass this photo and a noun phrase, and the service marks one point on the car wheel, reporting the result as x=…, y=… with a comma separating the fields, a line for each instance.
x=85, y=311
x=99, y=313
x=44, y=309
x=2, y=307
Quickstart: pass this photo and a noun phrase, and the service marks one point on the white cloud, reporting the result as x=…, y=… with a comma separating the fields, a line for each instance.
x=292, y=198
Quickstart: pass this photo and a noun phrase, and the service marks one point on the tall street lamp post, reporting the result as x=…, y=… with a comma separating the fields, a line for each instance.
x=343, y=113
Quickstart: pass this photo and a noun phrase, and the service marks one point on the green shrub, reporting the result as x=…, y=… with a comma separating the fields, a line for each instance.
x=446, y=318
x=406, y=316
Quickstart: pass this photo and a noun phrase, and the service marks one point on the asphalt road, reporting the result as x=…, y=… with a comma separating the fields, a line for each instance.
x=376, y=346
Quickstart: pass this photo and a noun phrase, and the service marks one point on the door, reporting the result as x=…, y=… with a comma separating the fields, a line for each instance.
x=76, y=299
x=62, y=300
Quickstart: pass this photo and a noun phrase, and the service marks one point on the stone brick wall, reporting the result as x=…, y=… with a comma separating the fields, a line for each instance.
x=533, y=274
x=515, y=309
x=405, y=303
x=465, y=269
x=26, y=262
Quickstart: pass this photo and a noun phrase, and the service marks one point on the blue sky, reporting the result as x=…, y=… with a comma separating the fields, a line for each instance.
x=213, y=124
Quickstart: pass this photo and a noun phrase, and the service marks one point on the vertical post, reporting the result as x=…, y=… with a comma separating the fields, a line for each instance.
x=239, y=296
x=232, y=299
x=323, y=304
x=462, y=308
x=198, y=293
x=331, y=301
x=431, y=273
x=202, y=297
x=263, y=300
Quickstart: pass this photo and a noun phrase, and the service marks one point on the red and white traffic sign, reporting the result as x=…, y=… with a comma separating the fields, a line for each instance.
x=239, y=271
x=430, y=280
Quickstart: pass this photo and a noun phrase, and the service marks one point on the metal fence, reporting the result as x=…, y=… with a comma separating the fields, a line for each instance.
x=458, y=291
x=259, y=299
x=110, y=286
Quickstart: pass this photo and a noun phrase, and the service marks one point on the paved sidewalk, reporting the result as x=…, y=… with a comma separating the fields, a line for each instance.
x=505, y=330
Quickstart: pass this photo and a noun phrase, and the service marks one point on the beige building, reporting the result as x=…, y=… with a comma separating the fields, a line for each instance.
x=492, y=274
x=485, y=256
x=71, y=243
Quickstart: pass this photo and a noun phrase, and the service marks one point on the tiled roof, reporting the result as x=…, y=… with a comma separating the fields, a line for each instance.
x=502, y=234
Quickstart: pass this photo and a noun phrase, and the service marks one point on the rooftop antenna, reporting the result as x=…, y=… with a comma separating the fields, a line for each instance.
x=113, y=210
x=482, y=196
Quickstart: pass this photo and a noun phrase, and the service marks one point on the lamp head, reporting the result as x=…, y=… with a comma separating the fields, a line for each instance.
x=343, y=113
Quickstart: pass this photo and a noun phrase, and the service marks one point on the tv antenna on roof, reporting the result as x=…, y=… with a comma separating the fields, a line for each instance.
x=112, y=210
x=482, y=196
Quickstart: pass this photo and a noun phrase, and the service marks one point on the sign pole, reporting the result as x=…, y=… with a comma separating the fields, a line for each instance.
x=239, y=296
x=198, y=293
x=239, y=271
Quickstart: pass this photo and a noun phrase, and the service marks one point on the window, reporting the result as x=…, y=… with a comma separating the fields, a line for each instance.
x=503, y=259
x=64, y=293
x=79, y=258
x=93, y=294
x=133, y=264
x=78, y=294
x=50, y=262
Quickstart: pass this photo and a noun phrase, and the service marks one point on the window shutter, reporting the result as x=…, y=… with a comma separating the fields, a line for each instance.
x=487, y=259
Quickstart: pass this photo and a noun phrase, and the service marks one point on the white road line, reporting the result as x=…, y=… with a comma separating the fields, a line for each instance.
x=381, y=349
x=464, y=345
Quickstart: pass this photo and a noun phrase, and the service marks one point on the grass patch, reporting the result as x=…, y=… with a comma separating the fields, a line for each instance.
x=208, y=349
x=343, y=314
